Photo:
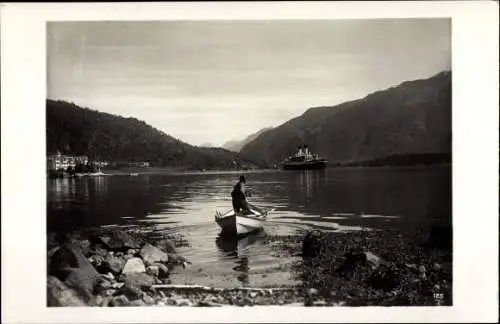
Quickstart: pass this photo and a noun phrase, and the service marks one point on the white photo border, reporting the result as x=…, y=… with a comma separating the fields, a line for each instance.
x=475, y=158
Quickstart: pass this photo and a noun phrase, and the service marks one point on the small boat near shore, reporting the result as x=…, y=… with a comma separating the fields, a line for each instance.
x=90, y=174
x=304, y=160
x=240, y=224
x=97, y=174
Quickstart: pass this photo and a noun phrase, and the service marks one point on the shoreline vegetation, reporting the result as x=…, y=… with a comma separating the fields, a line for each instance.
x=117, y=267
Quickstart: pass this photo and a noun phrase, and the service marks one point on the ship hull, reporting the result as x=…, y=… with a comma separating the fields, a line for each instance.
x=312, y=165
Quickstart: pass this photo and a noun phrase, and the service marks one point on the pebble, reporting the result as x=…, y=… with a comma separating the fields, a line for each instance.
x=104, y=284
x=96, y=260
x=320, y=303
x=117, y=285
x=184, y=302
x=134, y=265
x=138, y=302
x=312, y=292
x=104, y=301
x=99, y=299
x=120, y=301
x=148, y=299
x=109, y=292
x=153, y=270
x=85, y=244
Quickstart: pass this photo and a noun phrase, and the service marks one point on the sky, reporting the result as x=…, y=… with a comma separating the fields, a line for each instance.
x=216, y=81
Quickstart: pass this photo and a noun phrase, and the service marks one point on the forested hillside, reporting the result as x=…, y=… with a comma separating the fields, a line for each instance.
x=82, y=131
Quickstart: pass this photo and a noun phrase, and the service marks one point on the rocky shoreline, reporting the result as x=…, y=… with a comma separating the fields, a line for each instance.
x=115, y=267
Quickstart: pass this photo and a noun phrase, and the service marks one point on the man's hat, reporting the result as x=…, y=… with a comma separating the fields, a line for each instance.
x=242, y=178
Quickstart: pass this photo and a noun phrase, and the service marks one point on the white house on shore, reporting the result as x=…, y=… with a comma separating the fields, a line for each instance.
x=59, y=161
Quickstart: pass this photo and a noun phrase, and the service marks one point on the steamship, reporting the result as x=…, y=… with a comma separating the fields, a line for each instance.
x=304, y=160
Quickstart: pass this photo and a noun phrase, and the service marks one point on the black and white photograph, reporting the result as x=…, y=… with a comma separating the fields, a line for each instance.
x=248, y=163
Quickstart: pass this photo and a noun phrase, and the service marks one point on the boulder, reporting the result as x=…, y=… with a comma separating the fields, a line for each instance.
x=70, y=265
x=131, y=292
x=207, y=303
x=137, y=303
x=96, y=260
x=436, y=267
x=148, y=299
x=119, y=241
x=50, y=254
x=151, y=254
x=350, y=261
x=112, y=264
x=373, y=259
x=117, y=285
x=119, y=301
x=153, y=270
x=138, y=280
x=132, y=252
x=166, y=246
x=320, y=303
x=83, y=281
x=109, y=276
x=177, y=259
x=312, y=244
x=84, y=245
x=134, y=265
x=163, y=271
x=58, y=294
x=104, y=284
x=183, y=302
x=62, y=258
x=99, y=250
x=312, y=292
x=52, y=251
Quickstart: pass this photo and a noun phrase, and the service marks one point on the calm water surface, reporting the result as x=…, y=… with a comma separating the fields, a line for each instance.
x=183, y=206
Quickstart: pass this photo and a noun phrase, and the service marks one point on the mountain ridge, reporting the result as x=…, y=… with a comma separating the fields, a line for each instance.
x=412, y=117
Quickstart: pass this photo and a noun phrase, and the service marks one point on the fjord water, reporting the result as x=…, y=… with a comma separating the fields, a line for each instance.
x=183, y=206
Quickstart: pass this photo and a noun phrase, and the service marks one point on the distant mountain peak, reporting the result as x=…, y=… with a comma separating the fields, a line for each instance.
x=236, y=146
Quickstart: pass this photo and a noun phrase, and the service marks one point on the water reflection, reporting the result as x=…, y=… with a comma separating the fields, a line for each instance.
x=234, y=246
x=309, y=181
x=92, y=201
x=185, y=205
x=238, y=249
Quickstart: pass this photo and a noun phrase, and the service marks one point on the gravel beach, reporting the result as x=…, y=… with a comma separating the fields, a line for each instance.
x=114, y=267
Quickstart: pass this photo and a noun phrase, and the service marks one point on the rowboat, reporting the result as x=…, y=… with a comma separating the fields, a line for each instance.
x=239, y=223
